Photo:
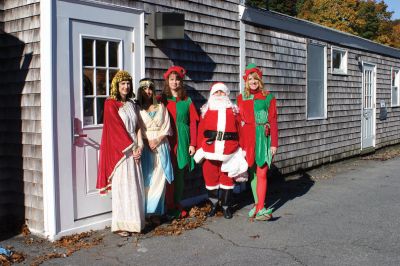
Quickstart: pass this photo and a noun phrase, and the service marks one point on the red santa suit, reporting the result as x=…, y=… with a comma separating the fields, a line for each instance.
x=218, y=142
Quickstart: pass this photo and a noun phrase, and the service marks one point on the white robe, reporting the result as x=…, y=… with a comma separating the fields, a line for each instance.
x=127, y=181
x=154, y=127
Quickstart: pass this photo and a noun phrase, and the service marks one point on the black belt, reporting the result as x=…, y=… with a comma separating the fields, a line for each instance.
x=212, y=135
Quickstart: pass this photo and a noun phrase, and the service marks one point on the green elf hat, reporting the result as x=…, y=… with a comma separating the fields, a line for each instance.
x=250, y=68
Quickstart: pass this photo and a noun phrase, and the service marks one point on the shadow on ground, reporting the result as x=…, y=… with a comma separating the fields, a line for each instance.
x=280, y=190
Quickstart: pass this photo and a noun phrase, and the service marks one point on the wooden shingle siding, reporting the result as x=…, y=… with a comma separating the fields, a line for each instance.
x=210, y=51
x=308, y=143
x=1, y=15
x=20, y=112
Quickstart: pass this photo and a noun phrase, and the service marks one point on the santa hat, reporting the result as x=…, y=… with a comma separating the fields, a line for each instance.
x=178, y=69
x=251, y=68
x=219, y=86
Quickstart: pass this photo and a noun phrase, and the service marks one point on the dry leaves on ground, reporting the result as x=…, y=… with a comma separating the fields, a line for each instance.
x=197, y=217
x=71, y=244
x=383, y=156
x=16, y=257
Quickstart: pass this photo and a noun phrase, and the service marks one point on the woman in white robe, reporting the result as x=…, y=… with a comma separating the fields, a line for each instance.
x=156, y=163
x=120, y=153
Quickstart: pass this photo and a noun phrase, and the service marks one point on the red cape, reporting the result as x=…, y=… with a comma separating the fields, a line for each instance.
x=114, y=141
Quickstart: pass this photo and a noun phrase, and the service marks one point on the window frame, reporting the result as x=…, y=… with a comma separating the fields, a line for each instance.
x=325, y=79
x=392, y=70
x=343, y=69
x=94, y=67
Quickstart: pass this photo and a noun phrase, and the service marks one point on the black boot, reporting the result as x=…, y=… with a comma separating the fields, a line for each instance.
x=213, y=197
x=227, y=203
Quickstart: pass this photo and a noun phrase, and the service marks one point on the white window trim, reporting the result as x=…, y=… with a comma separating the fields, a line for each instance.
x=325, y=87
x=345, y=57
x=398, y=87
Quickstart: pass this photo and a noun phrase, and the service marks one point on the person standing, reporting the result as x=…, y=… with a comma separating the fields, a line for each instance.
x=218, y=148
x=183, y=140
x=119, y=161
x=259, y=135
x=156, y=162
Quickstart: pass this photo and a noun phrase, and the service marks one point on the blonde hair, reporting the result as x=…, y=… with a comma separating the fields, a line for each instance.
x=121, y=75
x=260, y=86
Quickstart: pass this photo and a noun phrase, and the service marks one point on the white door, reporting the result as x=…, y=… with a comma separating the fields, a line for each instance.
x=368, y=106
x=98, y=52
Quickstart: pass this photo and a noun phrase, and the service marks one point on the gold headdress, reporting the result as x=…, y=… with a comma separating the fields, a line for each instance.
x=121, y=75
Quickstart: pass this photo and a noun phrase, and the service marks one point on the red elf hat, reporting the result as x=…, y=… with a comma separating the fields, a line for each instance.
x=178, y=69
x=250, y=69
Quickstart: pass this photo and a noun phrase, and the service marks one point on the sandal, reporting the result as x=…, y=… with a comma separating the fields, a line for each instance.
x=123, y=233
x=264, y=215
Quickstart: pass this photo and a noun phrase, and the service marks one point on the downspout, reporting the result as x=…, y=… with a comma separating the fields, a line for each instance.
x=242, y=47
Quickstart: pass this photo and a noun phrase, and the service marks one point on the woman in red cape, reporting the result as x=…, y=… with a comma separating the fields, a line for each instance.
x=120, y=152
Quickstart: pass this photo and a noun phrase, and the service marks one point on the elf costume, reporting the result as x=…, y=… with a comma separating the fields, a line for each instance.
x=184, y=124
x=258, y=133
x=218, y=148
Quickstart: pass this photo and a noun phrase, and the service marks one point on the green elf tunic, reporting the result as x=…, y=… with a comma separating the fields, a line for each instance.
x=184, y=123
x=258, y=115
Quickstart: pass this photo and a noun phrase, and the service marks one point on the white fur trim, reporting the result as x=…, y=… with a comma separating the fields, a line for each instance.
x=213, y=187
x=199, y=155
x=221, y=125
x=219, y=87
x=226, y=187
x=217, y=157
x=236, y=165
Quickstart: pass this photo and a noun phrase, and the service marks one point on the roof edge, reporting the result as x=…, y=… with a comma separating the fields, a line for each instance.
x=309, y=29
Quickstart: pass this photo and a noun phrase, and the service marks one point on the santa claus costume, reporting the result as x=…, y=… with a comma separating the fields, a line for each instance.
x=218, y=148
x=258, y=136
x=184, y=119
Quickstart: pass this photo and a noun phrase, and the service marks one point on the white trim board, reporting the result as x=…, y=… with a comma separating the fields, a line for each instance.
x=47, y=116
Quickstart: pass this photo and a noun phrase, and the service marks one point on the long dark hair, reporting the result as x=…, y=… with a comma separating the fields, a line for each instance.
x=143, y=84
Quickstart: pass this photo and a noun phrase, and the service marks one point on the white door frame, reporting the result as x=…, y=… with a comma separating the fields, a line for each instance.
x=58, y=186
x=373, y=104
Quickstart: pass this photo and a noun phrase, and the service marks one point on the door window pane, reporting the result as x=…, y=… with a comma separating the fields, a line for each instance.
x=87, y=52
x=88, y=114
x=101, y=53
x=395, y=96
x=100, y=109
x=395, y=87
x=316, y=81
x=113, y=54
x=87, y=81
x=101, y=83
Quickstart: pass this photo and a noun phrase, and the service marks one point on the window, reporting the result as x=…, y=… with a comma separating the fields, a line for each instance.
x=395, y=87
x=316, y=81
x=100, y=62
x=338, y=61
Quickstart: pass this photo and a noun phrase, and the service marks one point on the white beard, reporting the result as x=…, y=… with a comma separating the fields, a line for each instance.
x=219, y=102
x=216, y=103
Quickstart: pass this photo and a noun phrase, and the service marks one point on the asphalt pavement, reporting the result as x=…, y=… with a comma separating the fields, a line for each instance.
x=347, y=214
